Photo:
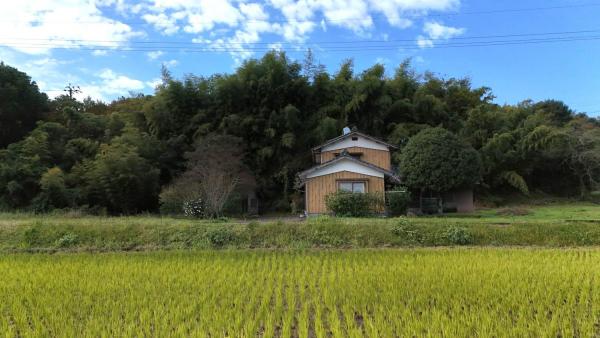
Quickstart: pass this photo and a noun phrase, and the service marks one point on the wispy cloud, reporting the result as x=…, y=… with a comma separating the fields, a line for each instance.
x=36, y=27
x=171, y=63
x=154, y=54
x=107, y=83
x=435, y=31
x=233, y=26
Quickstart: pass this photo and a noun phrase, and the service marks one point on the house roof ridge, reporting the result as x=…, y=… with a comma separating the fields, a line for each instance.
x=341, y=137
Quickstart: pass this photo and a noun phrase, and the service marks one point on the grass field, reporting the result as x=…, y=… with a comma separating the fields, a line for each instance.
x=563, y=225
x=353, y=293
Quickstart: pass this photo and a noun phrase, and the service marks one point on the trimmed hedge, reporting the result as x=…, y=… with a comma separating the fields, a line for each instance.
x=348, y=204
x=397, y=202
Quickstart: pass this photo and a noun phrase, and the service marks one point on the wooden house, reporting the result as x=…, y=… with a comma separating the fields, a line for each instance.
x=352, y=162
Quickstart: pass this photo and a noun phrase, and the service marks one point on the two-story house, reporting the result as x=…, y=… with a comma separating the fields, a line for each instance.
x=352, y=162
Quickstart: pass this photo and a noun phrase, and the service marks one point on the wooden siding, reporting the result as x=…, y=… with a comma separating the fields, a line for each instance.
x=380, y=158
x=318, y=187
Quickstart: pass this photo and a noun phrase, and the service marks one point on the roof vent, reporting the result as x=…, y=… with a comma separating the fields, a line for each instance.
x=346, y=131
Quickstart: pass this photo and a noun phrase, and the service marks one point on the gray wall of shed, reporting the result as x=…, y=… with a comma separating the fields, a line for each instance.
x=461, y=199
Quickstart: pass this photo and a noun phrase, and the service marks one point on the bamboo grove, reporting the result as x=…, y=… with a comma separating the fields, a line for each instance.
x=117, y=157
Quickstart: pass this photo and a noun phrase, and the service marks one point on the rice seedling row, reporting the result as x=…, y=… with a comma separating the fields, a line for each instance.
x=355, y=293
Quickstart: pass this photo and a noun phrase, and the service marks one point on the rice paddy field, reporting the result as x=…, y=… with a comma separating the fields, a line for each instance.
x=443, y=292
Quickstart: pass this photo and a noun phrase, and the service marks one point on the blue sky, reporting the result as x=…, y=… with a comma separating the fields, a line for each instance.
x=521, y=49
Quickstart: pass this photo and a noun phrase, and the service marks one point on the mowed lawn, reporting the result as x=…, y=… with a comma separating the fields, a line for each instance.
x=444, y=292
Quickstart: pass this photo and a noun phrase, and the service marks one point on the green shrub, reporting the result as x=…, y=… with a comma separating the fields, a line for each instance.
x=397, y=202
x=515, y=211
x=459, y=236
x=32, y=236
x=347, y=204
x=194, y=208
x=407, y=232
x=67, y=240
x=220, y=236
x=595, y=196
x=234, y=204
x=325, y=236
x=169, y=204
x=173, y=197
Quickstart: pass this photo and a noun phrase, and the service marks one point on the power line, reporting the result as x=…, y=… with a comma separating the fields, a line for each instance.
x=171, y=42
x=329, y=49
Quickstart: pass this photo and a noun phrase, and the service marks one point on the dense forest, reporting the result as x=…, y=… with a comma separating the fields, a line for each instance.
x=262, y=121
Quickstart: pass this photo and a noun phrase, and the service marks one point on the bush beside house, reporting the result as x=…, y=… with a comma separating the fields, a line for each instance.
x=348, y=204
x=397, y=202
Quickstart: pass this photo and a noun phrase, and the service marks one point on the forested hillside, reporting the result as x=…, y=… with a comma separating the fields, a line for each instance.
x=118, y=157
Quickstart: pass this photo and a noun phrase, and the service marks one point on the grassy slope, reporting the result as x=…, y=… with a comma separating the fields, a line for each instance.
x=551, y=225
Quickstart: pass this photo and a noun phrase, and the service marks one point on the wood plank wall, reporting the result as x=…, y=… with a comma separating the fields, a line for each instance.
x=318, y=187
x=380, y=158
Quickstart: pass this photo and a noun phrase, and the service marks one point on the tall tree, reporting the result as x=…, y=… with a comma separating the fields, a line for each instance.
x=217, y=165
x=436, y=160
x=21, y=104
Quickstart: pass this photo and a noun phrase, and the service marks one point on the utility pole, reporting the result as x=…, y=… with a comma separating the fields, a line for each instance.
x=72, y=90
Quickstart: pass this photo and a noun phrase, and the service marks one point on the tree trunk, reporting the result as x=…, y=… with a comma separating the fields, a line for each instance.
x=582, y=187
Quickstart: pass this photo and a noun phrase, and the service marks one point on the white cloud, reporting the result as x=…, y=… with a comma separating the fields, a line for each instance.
x=276, y=46
x=194, y=16
x=255, y=22
x=356, y=15
x=399, y=13
x=113, y=83
x=437, y=31
x=171, y=63
x=49, y=74
x=424, y=42
x=154, y=83
x=37, y=26
x=168, y=25
x=46, y=71
x=154, y=54
x=107, y=84
x=100, y=52
x=233, y=26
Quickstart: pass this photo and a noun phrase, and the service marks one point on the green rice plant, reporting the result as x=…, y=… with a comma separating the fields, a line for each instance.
x=468, y=292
